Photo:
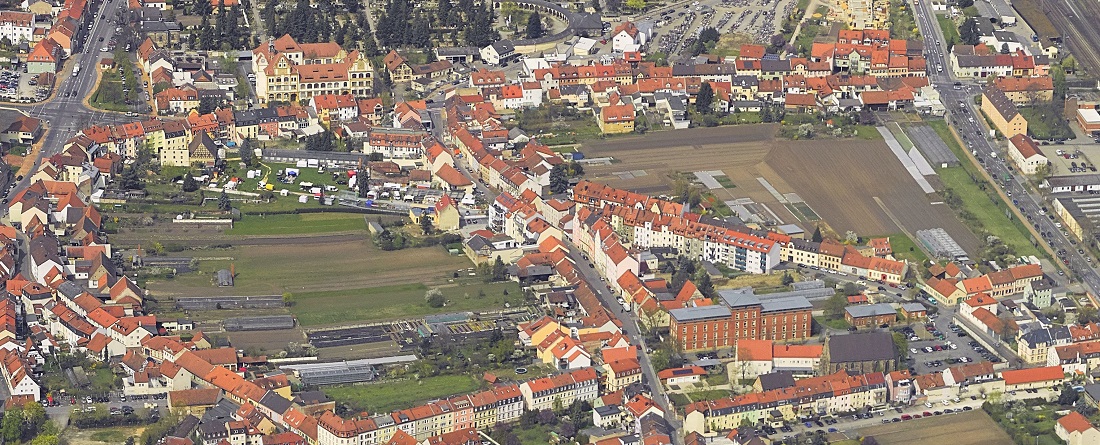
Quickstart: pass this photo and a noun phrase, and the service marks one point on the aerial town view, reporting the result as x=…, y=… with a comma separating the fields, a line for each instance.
x=539, y=222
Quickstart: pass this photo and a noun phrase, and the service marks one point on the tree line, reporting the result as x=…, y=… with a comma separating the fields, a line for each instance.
x=466, y=22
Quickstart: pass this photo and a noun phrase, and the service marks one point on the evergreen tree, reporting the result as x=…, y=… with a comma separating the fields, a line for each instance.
x=246, y=152
x=534, y=26
x=704, y=100
x=206, y=34
x=816, y=237
x=499, y=272
x=189, y=183
x=426, y=224
x=362, y=179
x=444, y=13
x=968, y=32
x=208, y=104
x=224, y=204
x=558, y=182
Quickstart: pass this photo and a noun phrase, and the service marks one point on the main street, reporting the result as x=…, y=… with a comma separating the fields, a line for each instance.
x=65, y=114
x=966, y=118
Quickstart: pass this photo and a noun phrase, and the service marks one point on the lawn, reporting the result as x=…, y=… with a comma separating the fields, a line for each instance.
x=868, y=132
x=389, y=396
x=298, y=224
x=112, y=435
x=399, y=301
x=313, y=267
x=713, y=394
x=905, y=248
x=983, y=204
x=834, y=324
x=950, y=32
x=1040, y=127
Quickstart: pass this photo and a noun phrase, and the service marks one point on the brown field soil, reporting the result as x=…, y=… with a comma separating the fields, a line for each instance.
x=304, y=266
x=1032, y=13
x=972, y=428
x=354, y=352
x=266, y=340
x=839, y=179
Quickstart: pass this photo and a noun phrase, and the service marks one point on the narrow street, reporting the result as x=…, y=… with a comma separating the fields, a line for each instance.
x=631, y=329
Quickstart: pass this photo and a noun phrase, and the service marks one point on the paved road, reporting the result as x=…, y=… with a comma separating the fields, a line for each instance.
x=631, y=329
x=66, y=115
x=967, y=120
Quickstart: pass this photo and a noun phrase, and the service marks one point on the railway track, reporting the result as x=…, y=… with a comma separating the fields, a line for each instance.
x=1076, y=21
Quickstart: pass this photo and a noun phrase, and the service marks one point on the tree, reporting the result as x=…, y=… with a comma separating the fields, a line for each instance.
x=208, y=104
x=704, y=100
x=362, y=181
x=435, y=299
x=558, y=182
x=706, y=286
x=499, y=271
x=47, y=439
x=288, y=299
x=547, y=417
x=787, y=279
x=968, y=32
x=189, y=183
x=834, y=306
x=636, y=4
x=323, y=141
x=534, y=26
x=12, y=426
x=246, y=152
x=1087, y=314
x=426, y=224
x=1068, y=396
x=816, y=237
x=224, y=204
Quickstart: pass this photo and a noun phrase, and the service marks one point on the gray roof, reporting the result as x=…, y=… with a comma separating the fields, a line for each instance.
x=1093, y=390
x=785, y=304
x=739, y=297
x=608, y=410
x=1068, y=180
x=866, y=346
x=1047, y=336
x=1001, y=102
x=870, y=310
x=776, y=380
x=503, y=47
x=275, y=402
x=700, y=313
x=913, y=307
x=806, y=285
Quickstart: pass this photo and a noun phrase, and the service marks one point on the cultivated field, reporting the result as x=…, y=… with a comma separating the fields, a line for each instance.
x=839, y=179
x=299, y=223
x=972, y=428
x=312, y=267
x=266, y=340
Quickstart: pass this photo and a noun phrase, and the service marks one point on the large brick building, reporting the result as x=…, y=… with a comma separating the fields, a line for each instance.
x=741, y=316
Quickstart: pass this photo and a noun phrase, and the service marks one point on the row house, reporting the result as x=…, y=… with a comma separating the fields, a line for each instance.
x=560, y=390
x=396, y=143
x=816, y=396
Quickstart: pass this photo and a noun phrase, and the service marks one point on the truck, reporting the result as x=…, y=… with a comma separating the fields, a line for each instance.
x=1008, y=20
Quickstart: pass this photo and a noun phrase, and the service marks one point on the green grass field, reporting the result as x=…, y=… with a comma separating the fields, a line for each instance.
x=986, y=206
x=398, y=301
x=298, y=224
x=950, y=32
x=313, y=267
x=905, y=248
x=868, y=132
x=390, y=396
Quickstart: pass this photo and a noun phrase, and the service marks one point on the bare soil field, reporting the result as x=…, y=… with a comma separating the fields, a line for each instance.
x=839, y=179
x=972, y=428
x=266, y=340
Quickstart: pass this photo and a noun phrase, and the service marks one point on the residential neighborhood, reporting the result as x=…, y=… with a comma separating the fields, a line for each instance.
x=521, y=223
